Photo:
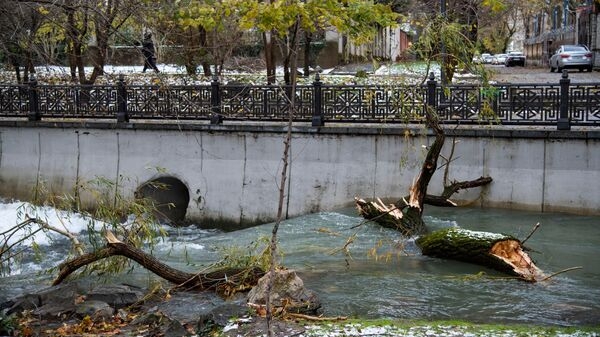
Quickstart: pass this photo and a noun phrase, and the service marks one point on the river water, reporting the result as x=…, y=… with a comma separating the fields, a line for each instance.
x=383, y=275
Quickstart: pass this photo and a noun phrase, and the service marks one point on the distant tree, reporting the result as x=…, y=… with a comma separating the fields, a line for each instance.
x=286, y=21
x=453, y=36
x=80, y=23
x=207, y=29
x=19, y=24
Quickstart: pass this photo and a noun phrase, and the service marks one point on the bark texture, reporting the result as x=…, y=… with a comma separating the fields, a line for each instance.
x=225, y=281
x=497, y=251
x=388, y=216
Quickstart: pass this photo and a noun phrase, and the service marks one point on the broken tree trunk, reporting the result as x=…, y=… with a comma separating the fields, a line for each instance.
x=224, y=281
x=409, y=218
x=498, y=251
x=388, y=216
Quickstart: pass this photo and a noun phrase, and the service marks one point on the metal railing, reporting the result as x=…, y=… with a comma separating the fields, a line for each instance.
x=562, y=104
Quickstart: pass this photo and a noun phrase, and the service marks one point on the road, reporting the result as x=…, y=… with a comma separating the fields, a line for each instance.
x=504, y=74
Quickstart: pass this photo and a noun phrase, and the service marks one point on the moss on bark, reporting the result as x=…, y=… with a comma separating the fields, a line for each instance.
x=497, y=251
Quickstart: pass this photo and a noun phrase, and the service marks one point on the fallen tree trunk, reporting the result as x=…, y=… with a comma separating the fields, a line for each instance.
x=498, y=251
x=224, y=281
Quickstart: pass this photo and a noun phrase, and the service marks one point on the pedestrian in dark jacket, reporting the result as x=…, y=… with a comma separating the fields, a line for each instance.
x=148, y=52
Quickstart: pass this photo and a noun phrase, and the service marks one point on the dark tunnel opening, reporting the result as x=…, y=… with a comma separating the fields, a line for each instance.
x=170, y=197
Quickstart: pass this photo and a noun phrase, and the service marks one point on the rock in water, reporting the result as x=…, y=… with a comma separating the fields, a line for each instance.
x=288, y=292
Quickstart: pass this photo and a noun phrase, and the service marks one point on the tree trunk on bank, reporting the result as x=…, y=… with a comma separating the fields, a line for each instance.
x=269, y=56
x=224, y=281
x=497, y=251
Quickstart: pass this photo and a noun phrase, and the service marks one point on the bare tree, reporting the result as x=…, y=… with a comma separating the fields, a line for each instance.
x=19, y=23
x=85, y=22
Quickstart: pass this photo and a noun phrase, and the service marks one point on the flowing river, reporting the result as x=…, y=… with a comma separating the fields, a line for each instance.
x=382, y=275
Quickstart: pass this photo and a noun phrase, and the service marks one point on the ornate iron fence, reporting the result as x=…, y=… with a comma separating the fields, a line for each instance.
x=562, y=104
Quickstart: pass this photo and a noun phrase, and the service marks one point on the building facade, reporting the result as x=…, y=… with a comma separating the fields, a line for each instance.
x=568, y=22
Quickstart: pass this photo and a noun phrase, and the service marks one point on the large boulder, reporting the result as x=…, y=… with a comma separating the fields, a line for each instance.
x=288, y=292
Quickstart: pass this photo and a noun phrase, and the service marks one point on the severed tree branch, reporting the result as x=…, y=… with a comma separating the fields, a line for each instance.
x=198, y=281
x=444, y=199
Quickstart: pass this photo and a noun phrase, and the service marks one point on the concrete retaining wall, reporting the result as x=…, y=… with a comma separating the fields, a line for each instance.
x=232, y=171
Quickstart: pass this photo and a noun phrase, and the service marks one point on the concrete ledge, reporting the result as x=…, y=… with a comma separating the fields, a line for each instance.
x=230, y=169
x=491, y=131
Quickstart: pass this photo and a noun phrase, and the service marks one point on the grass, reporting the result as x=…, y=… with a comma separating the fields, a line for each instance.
x=393, y=327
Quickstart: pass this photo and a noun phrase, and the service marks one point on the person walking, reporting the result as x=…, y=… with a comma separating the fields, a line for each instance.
x=148, y=52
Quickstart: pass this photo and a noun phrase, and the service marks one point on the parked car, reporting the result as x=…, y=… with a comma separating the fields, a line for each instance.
x=499, y=58
x=487, y=58
x=515, y=58
x=571, y=56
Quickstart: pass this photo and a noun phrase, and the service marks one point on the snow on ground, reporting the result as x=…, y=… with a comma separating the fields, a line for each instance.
x=171, y=74
x=420, y=330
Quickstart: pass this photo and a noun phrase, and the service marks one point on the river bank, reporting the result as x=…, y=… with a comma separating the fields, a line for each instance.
x=401, y=328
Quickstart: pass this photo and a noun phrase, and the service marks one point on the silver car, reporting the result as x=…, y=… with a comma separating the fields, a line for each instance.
x=499, y=59
x=571, y=56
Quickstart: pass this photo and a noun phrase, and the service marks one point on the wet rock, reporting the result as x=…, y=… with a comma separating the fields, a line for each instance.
x=288, y=291
x=178, y=314
x=222, y=314
x=187, y=307
x=160, y=324
x=175, y=329
x=151, y=318
x=205, y=325
x=54, y=302
x=60, y=302
x=97, y=310
x=25, y=302
x=118, y=296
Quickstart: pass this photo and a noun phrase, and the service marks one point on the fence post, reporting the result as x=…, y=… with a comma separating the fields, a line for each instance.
x=431, y=84
x=564, y=122
x=122, y=114
x=34, y=107
x=317, y=117
x=215, y=102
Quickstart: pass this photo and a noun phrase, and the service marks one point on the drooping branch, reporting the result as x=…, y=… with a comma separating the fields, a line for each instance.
x=8, y=246
x=199, y=281
x=77, y=246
